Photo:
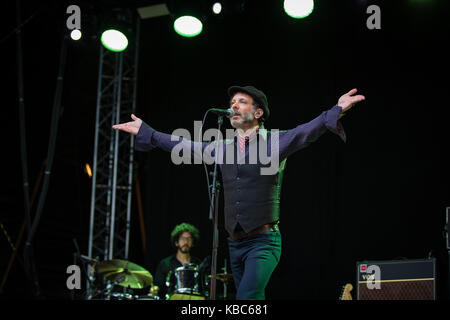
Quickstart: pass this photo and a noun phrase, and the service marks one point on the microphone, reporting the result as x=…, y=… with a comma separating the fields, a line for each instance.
x=224, y=112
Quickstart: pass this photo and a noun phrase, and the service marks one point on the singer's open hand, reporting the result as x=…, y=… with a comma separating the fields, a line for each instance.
x=130, y=127
x=348, y=100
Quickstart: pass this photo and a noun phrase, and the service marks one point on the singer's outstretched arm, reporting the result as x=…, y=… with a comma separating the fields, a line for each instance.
x=304, y=134
x=148, y=138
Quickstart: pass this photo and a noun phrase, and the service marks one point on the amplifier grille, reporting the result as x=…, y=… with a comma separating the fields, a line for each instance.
x=399, y=290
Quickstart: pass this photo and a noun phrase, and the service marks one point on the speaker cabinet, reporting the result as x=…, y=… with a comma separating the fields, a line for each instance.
x=396, y=280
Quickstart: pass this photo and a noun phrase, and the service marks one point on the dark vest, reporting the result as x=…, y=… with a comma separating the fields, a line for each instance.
x=250, y=199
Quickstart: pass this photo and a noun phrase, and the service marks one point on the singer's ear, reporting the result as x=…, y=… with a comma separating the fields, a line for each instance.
x=259, y=113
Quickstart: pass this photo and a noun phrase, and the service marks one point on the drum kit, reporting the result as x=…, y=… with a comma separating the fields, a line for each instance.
x=130, y=277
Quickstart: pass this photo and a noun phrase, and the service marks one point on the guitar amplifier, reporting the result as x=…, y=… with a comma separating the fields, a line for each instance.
x=396, y=280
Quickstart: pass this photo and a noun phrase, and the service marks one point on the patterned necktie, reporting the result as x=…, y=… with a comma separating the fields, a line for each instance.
x=242, y=143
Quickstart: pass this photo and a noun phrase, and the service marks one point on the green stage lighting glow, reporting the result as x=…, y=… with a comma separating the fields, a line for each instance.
x=188, y=26
x=298, y=9
x=114, y=40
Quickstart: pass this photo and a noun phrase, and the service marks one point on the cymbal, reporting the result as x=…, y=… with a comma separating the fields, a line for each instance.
x=223, y=277
x=125, y=273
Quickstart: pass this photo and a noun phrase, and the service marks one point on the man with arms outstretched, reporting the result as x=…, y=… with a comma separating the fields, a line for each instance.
x=252, y=199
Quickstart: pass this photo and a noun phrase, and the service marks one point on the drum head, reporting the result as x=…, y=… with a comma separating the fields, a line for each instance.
x=184, y=296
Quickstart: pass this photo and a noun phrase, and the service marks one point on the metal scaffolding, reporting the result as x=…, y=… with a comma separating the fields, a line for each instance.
x=112, y=176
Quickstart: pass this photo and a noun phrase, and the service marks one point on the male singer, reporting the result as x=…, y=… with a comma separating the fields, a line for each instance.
x=252, y=199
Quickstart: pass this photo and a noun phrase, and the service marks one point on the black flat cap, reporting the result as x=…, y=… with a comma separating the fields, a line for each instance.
x=258, y=96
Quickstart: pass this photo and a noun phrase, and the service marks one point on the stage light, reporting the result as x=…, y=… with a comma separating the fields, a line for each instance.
x=217, y=8
x=75, y=34
x=188, y=26
x=87, y=169
x=298, y=9
x=188, y=16
x=114, y=40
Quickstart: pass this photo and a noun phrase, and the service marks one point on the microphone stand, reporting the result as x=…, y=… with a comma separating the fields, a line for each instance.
x=213, y=215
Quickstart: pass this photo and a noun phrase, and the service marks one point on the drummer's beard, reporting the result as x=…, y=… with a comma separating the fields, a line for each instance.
x=184, y=249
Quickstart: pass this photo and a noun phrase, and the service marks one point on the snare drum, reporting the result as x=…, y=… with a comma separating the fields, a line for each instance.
x=187, y=283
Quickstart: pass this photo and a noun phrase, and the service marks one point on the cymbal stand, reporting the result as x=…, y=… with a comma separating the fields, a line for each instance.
x=110, y=286
x=224, y=269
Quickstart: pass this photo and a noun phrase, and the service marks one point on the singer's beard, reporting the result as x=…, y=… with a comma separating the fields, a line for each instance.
x=247, y=117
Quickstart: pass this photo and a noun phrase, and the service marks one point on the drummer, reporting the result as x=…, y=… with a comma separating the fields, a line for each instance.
x=184, y=237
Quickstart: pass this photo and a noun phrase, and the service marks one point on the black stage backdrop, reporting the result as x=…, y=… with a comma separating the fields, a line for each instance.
x=380, y=196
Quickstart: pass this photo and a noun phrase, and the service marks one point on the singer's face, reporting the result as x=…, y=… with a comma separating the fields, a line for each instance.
x=242, y=104
x=185, y=242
